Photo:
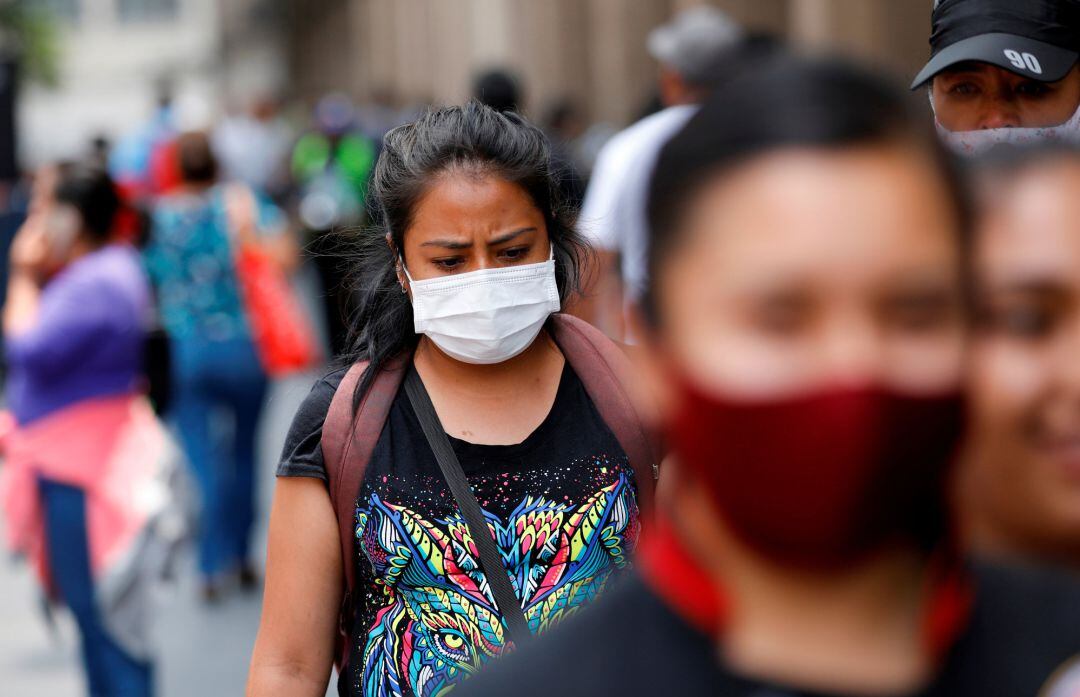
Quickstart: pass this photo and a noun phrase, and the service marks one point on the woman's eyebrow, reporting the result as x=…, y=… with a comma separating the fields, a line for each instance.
x=506, y=237
x=467, y=244
x=448, y=244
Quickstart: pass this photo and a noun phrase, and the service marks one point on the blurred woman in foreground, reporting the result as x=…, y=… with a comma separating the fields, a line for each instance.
x=1020, y=487
x=807, y=326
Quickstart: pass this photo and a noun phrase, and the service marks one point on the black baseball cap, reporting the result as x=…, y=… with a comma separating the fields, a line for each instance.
x=1038, y=39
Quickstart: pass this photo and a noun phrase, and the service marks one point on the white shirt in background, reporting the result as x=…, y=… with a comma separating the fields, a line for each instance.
x=613, y=216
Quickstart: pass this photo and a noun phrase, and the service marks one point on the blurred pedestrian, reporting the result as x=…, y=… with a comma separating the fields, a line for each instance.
x=613, y=214
x=498, y=89
x=805, y=337
x=216, y=370
x=477, y=475
x=139, y=163
x=80, y=464
x=502, y=91
x=1004, y=71
x=1020, y=487
x=381, y=112
x=331, y=168
x=254, y=148
x=565, y=125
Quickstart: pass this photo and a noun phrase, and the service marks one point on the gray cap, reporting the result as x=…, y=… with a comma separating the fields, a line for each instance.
x=691, y=42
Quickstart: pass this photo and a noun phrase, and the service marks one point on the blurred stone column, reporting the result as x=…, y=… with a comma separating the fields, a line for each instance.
x=760, y=15
x=371, y=23
x=811, y=21
x=624, y=73
x=855, y=24
x=320, y=47
x=886, y=33
x=413, y=48
x=453, y=38
x=550, y=52
x=490, y=20
x=253, y=62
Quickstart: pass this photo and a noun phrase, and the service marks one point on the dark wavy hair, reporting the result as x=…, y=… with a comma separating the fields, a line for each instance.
x=474, y=140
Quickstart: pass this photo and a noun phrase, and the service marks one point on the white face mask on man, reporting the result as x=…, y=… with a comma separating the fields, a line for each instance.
x=486, y=316
x=971, y=143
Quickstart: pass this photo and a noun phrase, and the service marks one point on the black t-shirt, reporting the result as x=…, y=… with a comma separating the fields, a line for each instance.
x=562, y=505
x=1023, y=640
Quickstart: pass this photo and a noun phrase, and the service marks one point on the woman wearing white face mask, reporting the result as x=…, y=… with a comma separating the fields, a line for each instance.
x=481, y=455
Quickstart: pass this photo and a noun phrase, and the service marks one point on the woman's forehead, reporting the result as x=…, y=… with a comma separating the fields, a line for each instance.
x=470, y=205
x=822, y=204
x=1032, y=226
x=471, y=195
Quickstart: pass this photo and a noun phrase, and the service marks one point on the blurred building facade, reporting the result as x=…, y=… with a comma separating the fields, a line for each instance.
x=117, y=57
x=591, y=51
x=217, y=54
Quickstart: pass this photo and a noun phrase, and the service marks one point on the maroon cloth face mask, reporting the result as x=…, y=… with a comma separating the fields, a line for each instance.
x=823, y=479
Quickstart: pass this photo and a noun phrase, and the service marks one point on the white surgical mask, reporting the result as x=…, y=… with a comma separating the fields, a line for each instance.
x=487, y=316
x=972, y=143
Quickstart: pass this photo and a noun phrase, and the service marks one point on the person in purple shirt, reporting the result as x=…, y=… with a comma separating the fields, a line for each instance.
x=74, y=323
x=73, y=331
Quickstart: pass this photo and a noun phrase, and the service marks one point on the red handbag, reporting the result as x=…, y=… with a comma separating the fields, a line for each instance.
x=284, y=338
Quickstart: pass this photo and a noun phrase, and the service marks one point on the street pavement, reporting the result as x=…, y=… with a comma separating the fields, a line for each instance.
x=202, y=650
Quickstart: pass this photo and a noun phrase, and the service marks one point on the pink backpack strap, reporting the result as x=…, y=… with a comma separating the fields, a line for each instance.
x=348, y=440
x=606, y=372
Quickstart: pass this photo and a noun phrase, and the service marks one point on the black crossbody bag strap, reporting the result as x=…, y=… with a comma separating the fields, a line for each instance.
x=490, y=562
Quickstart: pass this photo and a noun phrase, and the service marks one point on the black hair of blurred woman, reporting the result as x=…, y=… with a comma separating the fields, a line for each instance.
x=777, y=102
x=474, y=140
x=753, y=48
x=91, y=192
x=196, y=159
x=499, y=90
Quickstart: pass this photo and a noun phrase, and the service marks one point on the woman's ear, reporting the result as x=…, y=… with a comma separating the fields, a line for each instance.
x=399, y=264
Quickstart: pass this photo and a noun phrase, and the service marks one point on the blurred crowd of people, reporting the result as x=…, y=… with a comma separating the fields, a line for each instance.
x=783, y=378
x=144, y=284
